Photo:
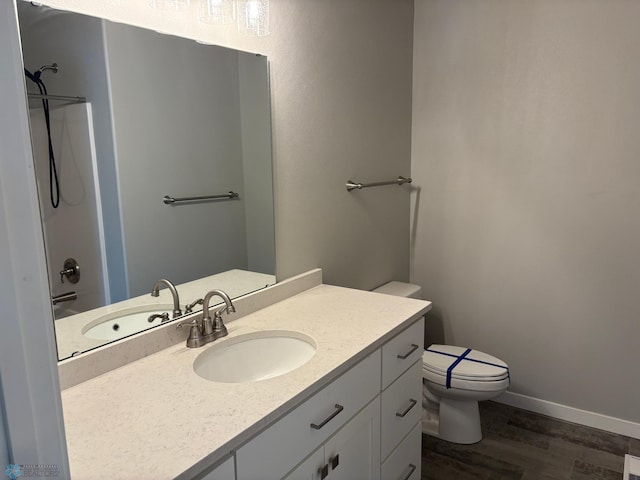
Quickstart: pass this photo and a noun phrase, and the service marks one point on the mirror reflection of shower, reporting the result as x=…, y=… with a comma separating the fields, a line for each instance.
x=54, y=182
x=65, y=166
x=53, y=66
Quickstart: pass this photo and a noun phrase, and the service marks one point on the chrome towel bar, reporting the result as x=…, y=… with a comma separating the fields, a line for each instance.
x=171, y=201
x=351, y=185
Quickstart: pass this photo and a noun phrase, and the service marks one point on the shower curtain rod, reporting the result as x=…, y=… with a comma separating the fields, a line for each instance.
x=63, y=98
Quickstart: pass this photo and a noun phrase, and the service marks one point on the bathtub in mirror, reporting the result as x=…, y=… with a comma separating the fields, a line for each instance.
x=163, y=116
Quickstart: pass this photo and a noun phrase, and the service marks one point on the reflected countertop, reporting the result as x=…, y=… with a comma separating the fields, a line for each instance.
x=69, y=336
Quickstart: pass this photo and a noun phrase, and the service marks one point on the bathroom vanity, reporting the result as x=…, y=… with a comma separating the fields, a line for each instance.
x=351, y=411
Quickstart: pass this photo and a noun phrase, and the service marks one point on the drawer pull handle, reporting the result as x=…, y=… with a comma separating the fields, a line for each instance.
x=414, y=347
x=412, y=468
x=412, y=403
x=323, y=472
x=335, y=461
x=338, y=408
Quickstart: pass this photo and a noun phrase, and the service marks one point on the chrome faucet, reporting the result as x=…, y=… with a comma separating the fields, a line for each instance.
x=155, y=291
x=214, y=329
x=208, y=330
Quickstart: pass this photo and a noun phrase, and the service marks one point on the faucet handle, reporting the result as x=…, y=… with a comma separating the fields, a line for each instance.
x=190, y=323
x=219, y=329
x=214, y=329
x=195, y=338
x=164, y=316
x=189, y=308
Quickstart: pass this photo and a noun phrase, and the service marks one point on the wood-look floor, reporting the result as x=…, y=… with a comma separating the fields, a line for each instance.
x=521, y=445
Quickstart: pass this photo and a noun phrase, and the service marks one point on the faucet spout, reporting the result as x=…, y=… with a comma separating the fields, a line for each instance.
x=215, y=329
x=228, y=304
x=155, y=291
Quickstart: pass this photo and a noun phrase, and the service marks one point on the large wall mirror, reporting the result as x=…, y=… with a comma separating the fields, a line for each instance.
x=160, y=116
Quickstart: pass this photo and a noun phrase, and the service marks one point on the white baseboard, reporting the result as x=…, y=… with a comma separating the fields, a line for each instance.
x=570, y=414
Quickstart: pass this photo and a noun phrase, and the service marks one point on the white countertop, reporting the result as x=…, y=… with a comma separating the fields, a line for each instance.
x=155, y=418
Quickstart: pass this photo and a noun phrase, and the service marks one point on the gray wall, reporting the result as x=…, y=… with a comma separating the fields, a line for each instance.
x=525, y=147
x=341, y=92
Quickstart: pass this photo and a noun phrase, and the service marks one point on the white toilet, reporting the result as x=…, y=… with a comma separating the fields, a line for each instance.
x=455, y=379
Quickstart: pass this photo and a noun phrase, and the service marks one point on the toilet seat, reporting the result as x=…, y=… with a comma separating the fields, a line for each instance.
x=426, y=368
x=471, y=385
x=459, y=367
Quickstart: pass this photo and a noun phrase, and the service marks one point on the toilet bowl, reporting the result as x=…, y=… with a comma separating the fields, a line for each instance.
x=455, y=379
x=458, y=378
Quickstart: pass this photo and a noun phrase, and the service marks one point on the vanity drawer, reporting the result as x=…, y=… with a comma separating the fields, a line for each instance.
x=278, y=449
x=405, y=462
x=401, y=352
x=401, y=407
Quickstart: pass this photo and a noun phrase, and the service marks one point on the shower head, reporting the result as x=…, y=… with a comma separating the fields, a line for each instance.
x=53, y=66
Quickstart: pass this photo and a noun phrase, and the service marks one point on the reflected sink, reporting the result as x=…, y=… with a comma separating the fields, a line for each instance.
x=255, y=356
x=117, y=325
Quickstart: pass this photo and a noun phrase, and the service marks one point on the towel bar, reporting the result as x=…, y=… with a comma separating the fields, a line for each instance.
x=351, y=185
x=171, y=200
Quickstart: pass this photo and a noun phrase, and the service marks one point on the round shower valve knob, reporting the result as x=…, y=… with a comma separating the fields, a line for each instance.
x=71, y=270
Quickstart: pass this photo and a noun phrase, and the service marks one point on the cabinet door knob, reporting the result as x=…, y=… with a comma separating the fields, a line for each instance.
x=413, y=348
x=412, y=403
x=338, y=408
x=335, y=461
x=323, y=472
x=410, y=470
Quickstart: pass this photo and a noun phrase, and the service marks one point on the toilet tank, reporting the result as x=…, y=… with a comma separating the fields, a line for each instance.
x=400, y=289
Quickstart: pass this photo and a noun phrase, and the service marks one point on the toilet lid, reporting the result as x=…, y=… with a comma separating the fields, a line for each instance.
x=475, y=366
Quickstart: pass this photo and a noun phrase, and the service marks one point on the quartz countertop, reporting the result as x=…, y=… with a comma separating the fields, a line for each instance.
x=156, y=418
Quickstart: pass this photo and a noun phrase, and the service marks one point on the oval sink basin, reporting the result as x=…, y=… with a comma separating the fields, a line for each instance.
x=255, y=356
x=117, y=325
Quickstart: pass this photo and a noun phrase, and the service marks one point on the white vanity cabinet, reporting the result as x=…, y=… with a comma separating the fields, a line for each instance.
x=363, y=423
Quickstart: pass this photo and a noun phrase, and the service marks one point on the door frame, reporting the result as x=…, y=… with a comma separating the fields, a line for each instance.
x=29, y=385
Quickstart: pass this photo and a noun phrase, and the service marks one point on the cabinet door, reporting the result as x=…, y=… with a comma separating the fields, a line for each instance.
x=354, y=452
x=310, y=469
